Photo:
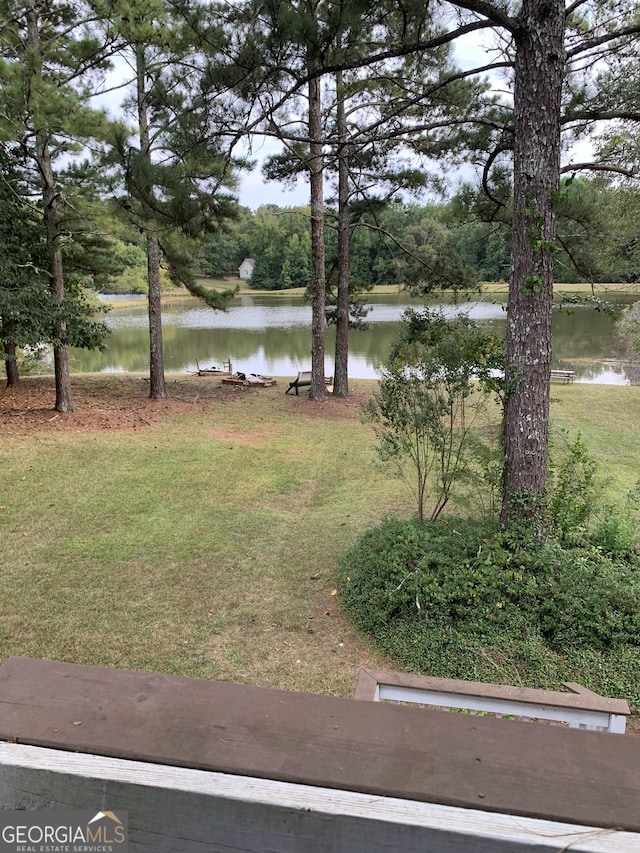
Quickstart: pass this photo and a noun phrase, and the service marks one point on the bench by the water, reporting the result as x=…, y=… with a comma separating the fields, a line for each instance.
x=303, y=379
x=563, y=375
x=579, y=708
x=201, y=765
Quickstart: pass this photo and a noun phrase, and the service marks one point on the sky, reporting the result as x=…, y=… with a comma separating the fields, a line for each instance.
x=255, y=191
x=470, y=52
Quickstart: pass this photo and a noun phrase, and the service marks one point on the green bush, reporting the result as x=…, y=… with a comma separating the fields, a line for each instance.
x=576, y=513
x=573, y=490
x=618, y=533
x=458, y=598
x=432, y=399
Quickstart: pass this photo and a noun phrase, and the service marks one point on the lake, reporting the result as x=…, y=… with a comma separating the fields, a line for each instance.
x=271, y=335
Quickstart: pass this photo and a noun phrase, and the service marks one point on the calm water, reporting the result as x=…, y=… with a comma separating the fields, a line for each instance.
x=271, y=335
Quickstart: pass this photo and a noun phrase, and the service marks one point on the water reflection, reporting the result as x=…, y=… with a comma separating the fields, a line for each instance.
x=267, y=313
x=271, y=335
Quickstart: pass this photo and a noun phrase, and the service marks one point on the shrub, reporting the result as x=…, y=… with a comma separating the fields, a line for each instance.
x=618, y=533
x=458, y=598
x=433, y=391
x=573, y=489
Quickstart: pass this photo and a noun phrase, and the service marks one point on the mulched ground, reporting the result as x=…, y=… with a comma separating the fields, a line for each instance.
x=633, y=725
x=101, y=403
x=112, y=402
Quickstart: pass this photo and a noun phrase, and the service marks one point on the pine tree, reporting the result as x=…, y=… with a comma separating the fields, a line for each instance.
x=175, y=184
x=552, y=58
x=368, y=122
x=24, y=297
x=49, y=58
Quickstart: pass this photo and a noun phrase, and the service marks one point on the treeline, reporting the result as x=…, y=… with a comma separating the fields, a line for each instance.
x=445, y=244
x=399, y=243
x=396, y=244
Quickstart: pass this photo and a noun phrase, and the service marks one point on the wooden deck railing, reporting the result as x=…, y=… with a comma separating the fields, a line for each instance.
x=206, y=767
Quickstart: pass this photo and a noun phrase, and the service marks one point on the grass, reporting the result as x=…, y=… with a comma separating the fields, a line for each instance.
x=206, y=544
x=203, y=546
x=581, y=287
x=608, y=425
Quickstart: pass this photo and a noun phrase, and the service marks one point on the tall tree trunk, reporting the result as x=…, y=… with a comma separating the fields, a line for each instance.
x=341, y=370
x=158, y=389
x=157, y=385
x=64, y=399
x=318, y=389
x=538, y=88
x=11, y=365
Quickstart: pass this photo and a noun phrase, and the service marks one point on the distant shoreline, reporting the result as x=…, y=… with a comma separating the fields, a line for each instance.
x=577, y=288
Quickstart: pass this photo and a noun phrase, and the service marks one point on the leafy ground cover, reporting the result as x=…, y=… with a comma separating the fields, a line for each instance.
x=201, y=535
x=460, y=600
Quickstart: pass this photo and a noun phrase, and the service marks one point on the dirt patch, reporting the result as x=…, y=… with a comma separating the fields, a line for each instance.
x=333, y=407
x=116, y=403
x=109, y=403
x=633, y=724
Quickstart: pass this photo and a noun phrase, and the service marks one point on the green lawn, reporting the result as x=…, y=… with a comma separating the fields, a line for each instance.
x=204, y=545
x=204, y=541
x=607, y=416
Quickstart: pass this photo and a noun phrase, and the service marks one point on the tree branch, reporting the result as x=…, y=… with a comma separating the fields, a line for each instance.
x=575, y=5
x=608, y=37
x=597, y=115
x=598, y=167
x=485, y=174
x=495, y=15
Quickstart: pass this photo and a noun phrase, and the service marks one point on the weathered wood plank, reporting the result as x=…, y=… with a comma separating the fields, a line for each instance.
x=367, y=686
x=575, y=718
x=579, y=698
x=177, y=810
x=580, y=709
x=383, y=750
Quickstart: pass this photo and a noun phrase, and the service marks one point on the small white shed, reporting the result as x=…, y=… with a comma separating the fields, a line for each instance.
x=245, y=270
